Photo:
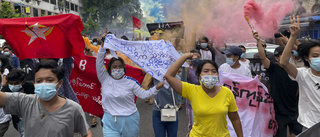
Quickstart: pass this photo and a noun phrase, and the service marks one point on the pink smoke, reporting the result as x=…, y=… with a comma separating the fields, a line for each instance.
x=268, y=20
x=223, y=20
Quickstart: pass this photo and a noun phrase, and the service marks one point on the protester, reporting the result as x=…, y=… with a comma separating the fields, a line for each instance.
x=232, y=64
x=41, y=112
x=192, y=79
x=121, y=117
x=209, y=120
x=5, y=68
x=93, y=48
x=164, y=97
x=243, y=60
x=13, y=58
x=207, y=53
x=307, y=77
x=17, y=83
x=65, y=90
x=284, y=92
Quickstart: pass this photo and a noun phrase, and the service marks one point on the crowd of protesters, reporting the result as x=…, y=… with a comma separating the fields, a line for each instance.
x=36, y=92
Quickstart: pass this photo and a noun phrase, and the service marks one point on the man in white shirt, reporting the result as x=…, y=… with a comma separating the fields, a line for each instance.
x=232, y=64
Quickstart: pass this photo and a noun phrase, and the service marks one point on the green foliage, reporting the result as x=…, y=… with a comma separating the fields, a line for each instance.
x=90, y=27
x=114, y=14
x=7, y=11
x=60, y=3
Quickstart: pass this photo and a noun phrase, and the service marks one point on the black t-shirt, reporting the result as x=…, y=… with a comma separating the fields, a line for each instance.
x=283, y=91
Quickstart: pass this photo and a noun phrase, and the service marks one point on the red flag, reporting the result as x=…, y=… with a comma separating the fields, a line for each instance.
x=136, y=22
x=44, y=37
x=86, y=85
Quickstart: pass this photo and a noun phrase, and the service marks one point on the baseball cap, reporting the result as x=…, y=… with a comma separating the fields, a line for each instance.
x=233, y=50
x=278, y=51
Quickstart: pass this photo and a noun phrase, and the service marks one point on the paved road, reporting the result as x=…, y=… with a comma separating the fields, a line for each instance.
x=146, y=128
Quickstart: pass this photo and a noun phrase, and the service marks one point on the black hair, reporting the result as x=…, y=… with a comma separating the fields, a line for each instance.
x=94, y=40
x=6, y=47
x=205, y=39
x=147, y=38
x=124, y=37
x=304, y=50
x=241, y=46
x=56, y=60
x=112, y=60
x=109, y=32
x=6, y=64
x=16, y=74
x=202, y=63
x=195, y=51
x=51, y=64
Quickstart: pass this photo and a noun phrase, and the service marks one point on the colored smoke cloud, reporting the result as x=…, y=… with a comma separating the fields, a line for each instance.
x=224, y=21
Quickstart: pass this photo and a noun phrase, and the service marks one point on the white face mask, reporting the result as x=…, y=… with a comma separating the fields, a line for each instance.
x=117, y=73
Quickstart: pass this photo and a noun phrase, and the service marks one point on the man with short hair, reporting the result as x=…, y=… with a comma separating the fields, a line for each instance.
x=232, y=64
x=283, y=91
x=13, y=58
x=46, y=113
x=16, y=83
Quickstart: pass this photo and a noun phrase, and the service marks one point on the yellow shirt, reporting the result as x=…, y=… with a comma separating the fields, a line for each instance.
x=209, y=113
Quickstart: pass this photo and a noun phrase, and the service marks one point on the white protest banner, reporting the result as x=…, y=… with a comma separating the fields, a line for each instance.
x=254, y=103
x=154, y=57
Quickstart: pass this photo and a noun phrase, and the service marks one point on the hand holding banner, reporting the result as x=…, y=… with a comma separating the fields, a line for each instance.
x=155, y=57
x=87, y=87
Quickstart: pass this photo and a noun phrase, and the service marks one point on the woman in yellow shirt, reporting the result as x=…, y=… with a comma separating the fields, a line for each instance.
x=210, y=102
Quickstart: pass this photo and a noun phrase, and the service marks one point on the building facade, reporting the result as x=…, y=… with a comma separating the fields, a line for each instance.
x=37, y=8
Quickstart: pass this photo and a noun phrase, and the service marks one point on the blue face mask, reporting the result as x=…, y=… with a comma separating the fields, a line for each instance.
x=6, y=53
x=204, y=45
x=295, y=53
x=195, y=62
x=229, y=61
x=315, y=63
x=45, y=91
x=15, y=88
x=0, y=64
x=243, y=55
x=94, y=43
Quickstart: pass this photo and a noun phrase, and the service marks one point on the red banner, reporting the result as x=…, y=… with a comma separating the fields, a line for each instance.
x=86, y=85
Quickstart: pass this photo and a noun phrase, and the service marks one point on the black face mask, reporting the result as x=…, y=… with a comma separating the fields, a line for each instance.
x=195, y=62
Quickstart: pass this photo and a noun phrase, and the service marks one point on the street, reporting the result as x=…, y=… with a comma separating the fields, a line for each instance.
x=146, y=128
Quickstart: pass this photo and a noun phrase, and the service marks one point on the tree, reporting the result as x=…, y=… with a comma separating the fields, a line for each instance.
x=110, y=13
x=90, y=27
x=7, y=11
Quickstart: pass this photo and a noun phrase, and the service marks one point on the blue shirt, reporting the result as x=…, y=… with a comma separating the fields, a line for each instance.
x=15, y=61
